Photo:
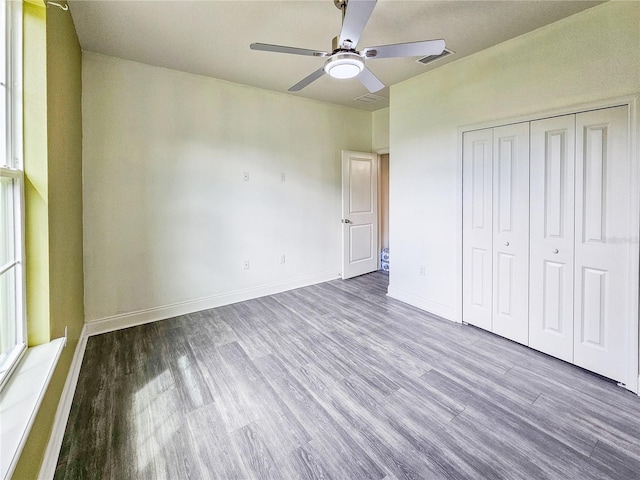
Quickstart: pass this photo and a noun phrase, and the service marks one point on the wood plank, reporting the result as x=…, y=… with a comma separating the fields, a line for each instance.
x=217, y=456
x=338, y=381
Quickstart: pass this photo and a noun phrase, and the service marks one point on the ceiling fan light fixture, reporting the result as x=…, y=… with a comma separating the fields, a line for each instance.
x=344, y=65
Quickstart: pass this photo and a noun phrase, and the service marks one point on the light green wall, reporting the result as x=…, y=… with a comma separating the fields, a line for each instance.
x=64, y=129
x=54, y=204
x=380, y=129
x=586, y=57
x=36, y=172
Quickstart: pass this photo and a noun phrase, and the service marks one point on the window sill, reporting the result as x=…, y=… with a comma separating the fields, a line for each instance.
x=21, y=398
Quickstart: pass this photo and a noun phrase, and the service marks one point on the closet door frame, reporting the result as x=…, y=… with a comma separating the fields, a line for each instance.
x=632, y=102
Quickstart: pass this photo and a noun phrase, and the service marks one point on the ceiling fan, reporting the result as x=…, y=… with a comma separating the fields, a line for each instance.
x=345, y=61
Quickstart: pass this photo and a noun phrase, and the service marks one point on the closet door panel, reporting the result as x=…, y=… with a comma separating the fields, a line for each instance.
x=511, y=232
x=552, y=236
x=477, y=227
x=602, y=253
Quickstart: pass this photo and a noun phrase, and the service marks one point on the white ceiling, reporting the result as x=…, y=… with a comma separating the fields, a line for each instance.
x=212, y=37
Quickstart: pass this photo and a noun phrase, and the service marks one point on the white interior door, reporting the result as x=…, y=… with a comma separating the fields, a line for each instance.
x=552, y=236
x=511, y=232
x=359, y=213
x=477, y=214
x=603, y=236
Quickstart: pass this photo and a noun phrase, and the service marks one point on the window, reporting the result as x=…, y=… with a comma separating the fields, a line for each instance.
x=12, y=285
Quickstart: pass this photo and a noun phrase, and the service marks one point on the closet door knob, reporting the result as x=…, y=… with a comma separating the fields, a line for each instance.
x=555, y=250
x=506, y=244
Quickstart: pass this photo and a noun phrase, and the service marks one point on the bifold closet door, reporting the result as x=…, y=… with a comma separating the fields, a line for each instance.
x=511, y=232
x=495, y=232
x=602, y=248
x=552, y=236
x=477, y=192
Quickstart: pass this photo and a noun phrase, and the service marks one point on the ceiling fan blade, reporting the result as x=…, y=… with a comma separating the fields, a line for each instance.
x=265, y=47
x=355, y=19
x=411, y=49
x=370, y=81
x=307, y=80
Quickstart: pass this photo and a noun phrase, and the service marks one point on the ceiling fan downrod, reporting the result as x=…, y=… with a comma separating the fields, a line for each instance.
x=347, y=46
x=341, y=5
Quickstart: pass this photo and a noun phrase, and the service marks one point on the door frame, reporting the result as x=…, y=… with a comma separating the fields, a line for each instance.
x=632, y=102
x=380, y=152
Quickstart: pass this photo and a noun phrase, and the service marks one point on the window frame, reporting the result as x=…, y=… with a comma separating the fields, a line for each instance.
x=15, y=170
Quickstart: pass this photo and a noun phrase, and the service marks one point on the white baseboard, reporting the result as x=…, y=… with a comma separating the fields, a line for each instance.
x=422, y=303
x=50, y=461
x=125, y=320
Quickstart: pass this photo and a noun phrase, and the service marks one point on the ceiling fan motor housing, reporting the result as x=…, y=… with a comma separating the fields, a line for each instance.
x=347, y=46
x=344, y=65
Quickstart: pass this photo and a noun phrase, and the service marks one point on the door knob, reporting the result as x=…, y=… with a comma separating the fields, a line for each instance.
x=555, y=250
x=506, y=244
x=346, y=220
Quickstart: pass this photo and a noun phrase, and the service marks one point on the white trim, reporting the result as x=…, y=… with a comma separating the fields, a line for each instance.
x=382, y=151
x=15, y=170
x=51, y=454
x=22, y=398
x=555, y=112
x=8, y=266
x=459, y=220
x=632, y=380
x=125, y=320
x=634, y=250
x=11, y=362
x=378, y=186
x=10, y=172
x=435, y=308
x=15, y=69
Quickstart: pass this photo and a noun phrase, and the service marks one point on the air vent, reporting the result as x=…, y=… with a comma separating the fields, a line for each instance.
x=369, y=98
x=433, y=58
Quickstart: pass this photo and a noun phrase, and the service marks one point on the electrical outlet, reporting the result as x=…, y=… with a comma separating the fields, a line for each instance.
x=282, y=258
x=283, y=178
x=245, y=176
x=245, y=265
x=422, y=270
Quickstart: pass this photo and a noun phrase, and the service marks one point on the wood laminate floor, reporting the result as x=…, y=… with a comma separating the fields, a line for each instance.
x=338, y=381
